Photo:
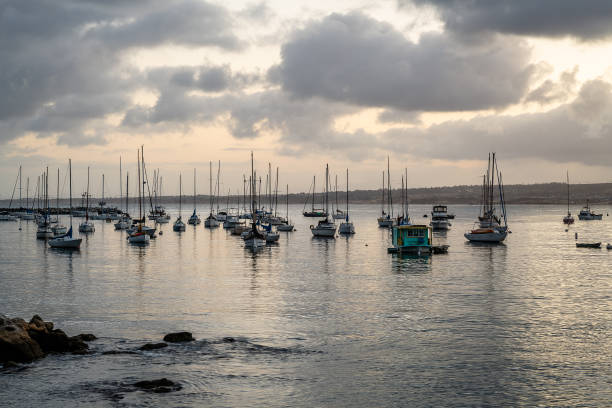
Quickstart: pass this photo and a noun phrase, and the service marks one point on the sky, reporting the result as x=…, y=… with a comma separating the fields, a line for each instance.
x=432, y=84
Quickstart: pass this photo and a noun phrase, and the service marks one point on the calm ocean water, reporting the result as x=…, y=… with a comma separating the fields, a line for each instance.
x=321, y=322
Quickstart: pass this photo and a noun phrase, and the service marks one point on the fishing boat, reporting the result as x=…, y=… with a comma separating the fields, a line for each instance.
x=490, y=228
x=287, y=226
x=67, y=241
x=588, y=244
x=139, y=235
x=325, y=228
x=314, y=212
x=411, y=239
x=253, y=238
x=347, y=226
x=86, y=226
x=179, y=225
x=194, y=219
x=568, y=219
x=211, y=221
x=439, y=218
x=587, y=215
x=386, y=218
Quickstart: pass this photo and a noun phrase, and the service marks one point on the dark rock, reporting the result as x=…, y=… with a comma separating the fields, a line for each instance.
x=153, y=346
x=178, y=337
x=10, y=364
x=159, y=386
x=15, y=342
x=111, y=352
x=229, y=340
x=85, y=337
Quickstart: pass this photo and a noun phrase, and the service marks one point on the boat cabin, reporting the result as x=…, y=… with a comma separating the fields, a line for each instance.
x=411, y=239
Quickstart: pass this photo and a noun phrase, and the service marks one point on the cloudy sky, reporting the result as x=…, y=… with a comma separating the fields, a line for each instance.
x=435, y=84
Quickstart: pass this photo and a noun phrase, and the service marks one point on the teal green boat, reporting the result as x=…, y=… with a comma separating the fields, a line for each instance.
x=414, y=239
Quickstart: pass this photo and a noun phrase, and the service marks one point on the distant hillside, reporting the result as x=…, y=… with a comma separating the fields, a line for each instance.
x=549, y=193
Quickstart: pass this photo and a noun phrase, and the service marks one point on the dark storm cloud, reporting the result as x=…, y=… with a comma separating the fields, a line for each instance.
x=579, y=131
x=53, y=53
x=585, y=20
x=355, y=59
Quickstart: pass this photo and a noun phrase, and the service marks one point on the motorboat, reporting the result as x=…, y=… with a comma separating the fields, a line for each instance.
x=439, y=218
x=586, y=214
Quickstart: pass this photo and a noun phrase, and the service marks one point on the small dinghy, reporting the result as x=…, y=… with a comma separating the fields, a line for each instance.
x=609, y=246
x=589, y=245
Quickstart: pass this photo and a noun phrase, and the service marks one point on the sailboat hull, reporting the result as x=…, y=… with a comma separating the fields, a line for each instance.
x=66, y=243
x=346, y=228
x=492, y=235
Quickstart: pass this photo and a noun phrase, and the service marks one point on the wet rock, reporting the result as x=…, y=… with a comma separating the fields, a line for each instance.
x=153, y=346
x=57, y=341
x=10, y=364
x=85, y=337
x=178, y=337
x=112, y=352
x=228, y=340
x=16, y=343
x=159, y=386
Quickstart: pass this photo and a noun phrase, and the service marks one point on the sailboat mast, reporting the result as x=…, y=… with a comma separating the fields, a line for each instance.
x=87, y=198
x=389, y=204
x=27, y=192
x=70, y=188
x=180, y=192
x=347, y=190
x=382, y=205
x=336, y=192
x=276, y=192
x=326, y=188
x=568, y=210
x=57, y=195
x=139, y=192
x=20, y=203
x=127, y=192
x=218, y=186
x=120, y=182
x=287, y=197
x=314, y=184
x=194, y=190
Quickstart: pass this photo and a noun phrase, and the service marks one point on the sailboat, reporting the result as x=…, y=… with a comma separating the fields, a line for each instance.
x=347, y=226
x=325, y=228
x=211, y=220
x=314, y=212
x=568, y=219
x=58, y=229
x=125, y=221
x=87, y=226
x=139, y=235
x=44, y=226
x=338, y=214
x=287, y=226
x=179, y=225
x=66, y=240
x=253, y=239
x=158, y=214
x=386, y=218
x=28, y=214
x=490, y=226
x=194, y=219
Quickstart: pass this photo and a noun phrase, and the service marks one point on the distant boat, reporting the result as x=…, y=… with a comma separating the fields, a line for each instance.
x=588, y=245
x=66, y=240
x=337, y=213
x=287, y=226
x=325, y=228
x=314, y=212
x=194, y=219
x=386, y=218
x=44, y=226
x=253, y=238
x=211, y=221
x=568, y=219
x=347, y=227
x=58, y=229
x=138, y=234
x=179, y=225
x=124, y=221
x=439, y=218
x=490, y=228
x=587, y=215
x=86, y=226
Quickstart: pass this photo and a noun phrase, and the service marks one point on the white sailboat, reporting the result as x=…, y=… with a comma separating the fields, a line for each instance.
x=211, y=221
x=86, y=226
x=253, y=238
x=347, y=226
x=139, y=235
x=490, y=228
x=124, y=221
x=288, y=225
x=58, y=229
x=337, y=213
x=325, y=228
x=179, y=225
x=194, y=219
x=66, y=240
x=386, y=218
x=44, y=226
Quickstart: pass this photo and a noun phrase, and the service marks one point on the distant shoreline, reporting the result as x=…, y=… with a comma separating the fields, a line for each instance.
x=548, y=193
